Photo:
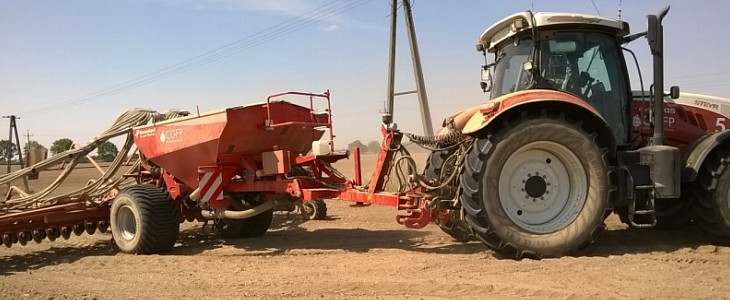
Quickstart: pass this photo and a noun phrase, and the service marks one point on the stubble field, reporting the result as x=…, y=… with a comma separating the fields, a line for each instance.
x=362, y=253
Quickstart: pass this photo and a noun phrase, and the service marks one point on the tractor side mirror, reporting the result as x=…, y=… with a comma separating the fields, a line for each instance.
x=486, y=83
x=674, y=92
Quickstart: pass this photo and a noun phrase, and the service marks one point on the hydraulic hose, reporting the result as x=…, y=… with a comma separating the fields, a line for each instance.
x=234, y=214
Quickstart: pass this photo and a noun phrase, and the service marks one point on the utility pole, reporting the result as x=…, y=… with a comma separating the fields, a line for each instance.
x=388, y=113
x=14, y=128
x=27, y=135
x=417, y=70
x=416, y=57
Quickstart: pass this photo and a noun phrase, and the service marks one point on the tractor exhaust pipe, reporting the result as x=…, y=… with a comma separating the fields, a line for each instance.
x=663, y=161
x=234, y=214
x=655, y=36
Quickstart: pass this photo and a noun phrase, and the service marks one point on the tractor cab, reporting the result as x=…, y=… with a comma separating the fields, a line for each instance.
x=577, y=54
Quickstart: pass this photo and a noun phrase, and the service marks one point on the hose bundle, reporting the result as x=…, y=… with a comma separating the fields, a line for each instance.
x=96, y=189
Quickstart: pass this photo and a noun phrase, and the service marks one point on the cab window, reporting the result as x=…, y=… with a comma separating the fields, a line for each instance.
x=588, y=65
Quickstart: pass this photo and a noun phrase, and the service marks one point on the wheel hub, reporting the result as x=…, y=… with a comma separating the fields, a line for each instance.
x=535, y=186
x=127, y=223
x=542, y=187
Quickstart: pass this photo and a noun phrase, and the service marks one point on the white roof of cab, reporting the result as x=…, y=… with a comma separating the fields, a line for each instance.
x=502, y=30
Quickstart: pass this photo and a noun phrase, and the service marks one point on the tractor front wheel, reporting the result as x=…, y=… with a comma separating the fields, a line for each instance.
x=538, y=189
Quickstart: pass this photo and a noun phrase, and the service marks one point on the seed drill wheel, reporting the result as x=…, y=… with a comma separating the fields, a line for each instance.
x=435, y=171
x=144, y=220
x=255, y=226
x=315, y=209
x=711, y=192
x=540, y=188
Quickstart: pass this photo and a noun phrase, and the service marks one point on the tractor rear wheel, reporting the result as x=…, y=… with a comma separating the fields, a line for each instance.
x=712, y=193
x=538, y=189
x=144, y=220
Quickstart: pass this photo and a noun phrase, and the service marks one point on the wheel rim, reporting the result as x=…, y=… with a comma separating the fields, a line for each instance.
x=127, y=223
x=543, y=187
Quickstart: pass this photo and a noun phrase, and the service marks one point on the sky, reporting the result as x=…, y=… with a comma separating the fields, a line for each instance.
x=69, y=68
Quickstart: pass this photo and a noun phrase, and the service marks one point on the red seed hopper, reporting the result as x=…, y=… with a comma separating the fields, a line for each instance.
x=232, y=137
x=264, y=150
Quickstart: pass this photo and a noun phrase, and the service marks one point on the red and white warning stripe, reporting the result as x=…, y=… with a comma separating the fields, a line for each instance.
x=210, y=184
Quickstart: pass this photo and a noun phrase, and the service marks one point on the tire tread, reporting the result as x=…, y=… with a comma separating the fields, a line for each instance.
x=159, y=215
x=471, y=192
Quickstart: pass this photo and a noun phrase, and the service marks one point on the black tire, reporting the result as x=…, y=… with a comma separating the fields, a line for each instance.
x=144, y=220
x=711, y=193
x=435, y=164
x=577, y=221
x=254, y=226
x=433, y=173
x=670, y=214
x=458, y=233
x=315, y=209
x=673, y=214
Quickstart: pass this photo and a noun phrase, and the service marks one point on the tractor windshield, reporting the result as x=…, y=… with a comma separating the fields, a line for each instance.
x=587, y=64
x=510, y=75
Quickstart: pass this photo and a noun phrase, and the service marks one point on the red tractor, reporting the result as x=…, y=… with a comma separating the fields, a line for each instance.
x=564, y=142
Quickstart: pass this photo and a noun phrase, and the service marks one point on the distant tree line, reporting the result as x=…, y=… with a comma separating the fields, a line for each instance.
x=371, y=147
x=107, y=151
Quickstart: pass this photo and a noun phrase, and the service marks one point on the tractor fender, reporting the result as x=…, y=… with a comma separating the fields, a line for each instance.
x=473, y=120
x=694, y=155
x=481, y=116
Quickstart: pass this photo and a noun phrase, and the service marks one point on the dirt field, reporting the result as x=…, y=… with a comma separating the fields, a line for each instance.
x=361, y=253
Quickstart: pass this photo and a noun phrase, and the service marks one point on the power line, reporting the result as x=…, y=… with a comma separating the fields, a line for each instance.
x=596, y=7
x=294, y=24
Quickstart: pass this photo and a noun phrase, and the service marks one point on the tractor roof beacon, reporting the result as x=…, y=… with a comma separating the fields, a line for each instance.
x=563, y=143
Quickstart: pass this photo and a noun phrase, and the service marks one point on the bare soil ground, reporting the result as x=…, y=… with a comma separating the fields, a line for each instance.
x=361, y=253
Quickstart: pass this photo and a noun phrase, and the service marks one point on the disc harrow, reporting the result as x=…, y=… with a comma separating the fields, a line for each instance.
x=53, y=233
